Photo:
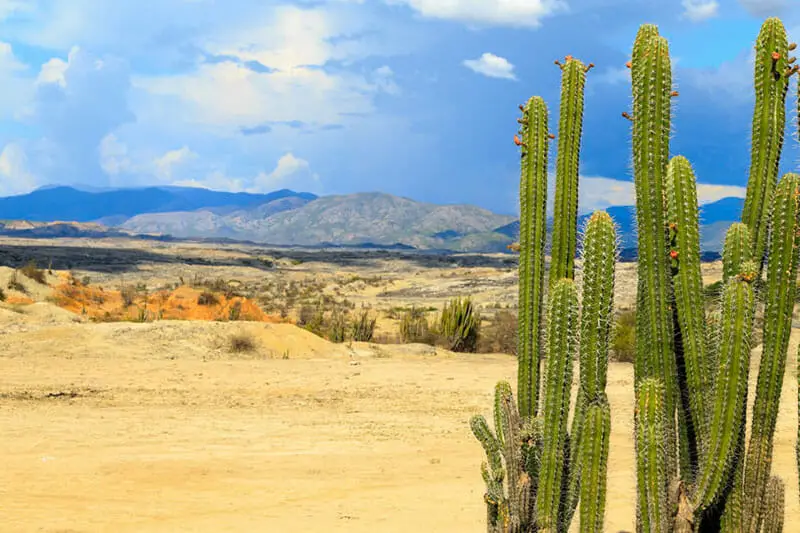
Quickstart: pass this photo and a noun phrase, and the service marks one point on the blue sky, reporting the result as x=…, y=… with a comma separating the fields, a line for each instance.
x=411, y=97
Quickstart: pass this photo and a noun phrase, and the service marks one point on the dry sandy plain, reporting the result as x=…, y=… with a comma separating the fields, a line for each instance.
x=158, y=427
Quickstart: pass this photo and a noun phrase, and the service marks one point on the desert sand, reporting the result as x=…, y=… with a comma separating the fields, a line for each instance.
x=160, y=427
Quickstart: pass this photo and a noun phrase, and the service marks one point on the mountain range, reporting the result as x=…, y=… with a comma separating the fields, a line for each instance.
x=290, y=218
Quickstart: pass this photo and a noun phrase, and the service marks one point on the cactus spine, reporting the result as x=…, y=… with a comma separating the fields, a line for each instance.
x=570, y=125
x=769, y=119
x=532, y=236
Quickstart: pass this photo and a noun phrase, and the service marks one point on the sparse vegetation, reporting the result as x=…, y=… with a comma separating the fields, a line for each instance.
x=363, y=327
x=33, y=272
x=15, y=285
x=414, y=327
x=207, y=298
x=624, y=337
x=459, y=325
x=242, y=342
x=500, y=336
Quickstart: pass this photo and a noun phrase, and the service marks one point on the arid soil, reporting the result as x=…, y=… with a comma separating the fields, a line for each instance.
x=167, y=426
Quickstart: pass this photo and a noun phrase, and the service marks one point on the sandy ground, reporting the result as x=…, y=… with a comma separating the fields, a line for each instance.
x=156, y=427
x=160, y=427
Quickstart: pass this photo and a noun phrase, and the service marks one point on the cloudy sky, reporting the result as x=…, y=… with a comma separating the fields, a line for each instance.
x=412, y=97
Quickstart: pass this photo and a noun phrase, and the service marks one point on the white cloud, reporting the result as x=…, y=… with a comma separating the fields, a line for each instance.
x=700, y=10
x=114, y=158
x=15, y=177
x=491, y=12
x=288, y=84
x=164, y=164
x=764, y=8
x=707, y=193
x=491, y=65
x=290, y=171
x=54, y=70
x=613, y=75
x=598, y=192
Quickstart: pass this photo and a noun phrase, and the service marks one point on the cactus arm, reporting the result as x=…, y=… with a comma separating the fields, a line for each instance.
x=728, y=401
x=769, y=119
x=597, y=305
x=532, y=229
x=651, y=468
x=736, y=250
x=562, y=344
x=565, y=208
x=774, y=506
x=687, y=280
x=594, y=459
x=780, y=294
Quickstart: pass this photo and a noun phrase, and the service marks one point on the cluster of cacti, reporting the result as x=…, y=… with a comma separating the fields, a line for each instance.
x=459, y=325
x=698, y=468
x=695, y=471
x=538, y=468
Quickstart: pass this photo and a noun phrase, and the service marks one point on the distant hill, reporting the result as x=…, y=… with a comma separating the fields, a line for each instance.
x=49, y=204
x=715, y=217
x=353, y=219
x=289, y=218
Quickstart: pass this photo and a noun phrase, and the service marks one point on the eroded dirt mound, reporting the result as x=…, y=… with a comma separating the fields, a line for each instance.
x=183, y=303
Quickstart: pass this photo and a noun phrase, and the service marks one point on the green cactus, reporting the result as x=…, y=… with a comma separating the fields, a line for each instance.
x=780, y=293
x=727, y=417
x=684, y=240
x=594, y=458
x=769, y=119
x=652, y=510
x=459, y=325
x=736, y=250
x=774, y=505
x=570, y=125
x=651, y=76
x=532, y=236
x=730, y=487
x=562, y=347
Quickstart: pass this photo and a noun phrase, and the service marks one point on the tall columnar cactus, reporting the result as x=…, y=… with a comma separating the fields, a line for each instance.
x=769, y=120
x=535, y=466
x=727, y=404
x=652, y=478
x=570, y=126
x=779, y=305
x=562, y=348
x=705, y=372
x=684, y=241
x=532, y=236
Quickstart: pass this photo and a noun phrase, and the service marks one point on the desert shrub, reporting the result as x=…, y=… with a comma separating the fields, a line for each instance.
x=235, y=310
x=241, y=343
x=207, y=298
x=459, y=325
x=500, y=336
x=363, y=327
x=31, y=271
x=128, y=294
x=713, y=290
x=2, y=295
x=414, y=327
x=624, y=338
x=337, y=327
x=15, y=285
